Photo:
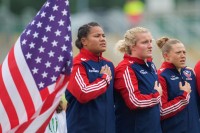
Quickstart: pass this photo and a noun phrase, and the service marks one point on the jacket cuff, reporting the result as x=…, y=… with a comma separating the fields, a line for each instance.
x=106, y=77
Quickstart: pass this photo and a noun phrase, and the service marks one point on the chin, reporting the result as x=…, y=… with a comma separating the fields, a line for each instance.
x=149, y=56
x=182, y=66
x=103, y=50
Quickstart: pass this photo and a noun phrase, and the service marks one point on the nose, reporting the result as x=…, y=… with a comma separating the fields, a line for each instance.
x=150, y=45
x=183, y=54
x=102, y=38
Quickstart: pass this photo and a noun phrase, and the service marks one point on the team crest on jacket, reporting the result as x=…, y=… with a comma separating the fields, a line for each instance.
x=187, y=74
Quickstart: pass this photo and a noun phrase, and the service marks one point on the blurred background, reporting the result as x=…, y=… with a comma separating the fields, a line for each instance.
x=174, y=18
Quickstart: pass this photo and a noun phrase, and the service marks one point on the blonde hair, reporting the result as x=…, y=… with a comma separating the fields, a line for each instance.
x=165, y=44
x=124, y=46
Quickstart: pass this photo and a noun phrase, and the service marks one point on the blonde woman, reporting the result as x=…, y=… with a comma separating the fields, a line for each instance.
x=138, y=93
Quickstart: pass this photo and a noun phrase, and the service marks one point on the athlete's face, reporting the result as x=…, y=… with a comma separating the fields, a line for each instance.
x=95, y=40
x=177, y=55
x=143, y=47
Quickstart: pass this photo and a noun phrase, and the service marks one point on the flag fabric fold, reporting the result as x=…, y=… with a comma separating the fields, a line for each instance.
x=35, y=72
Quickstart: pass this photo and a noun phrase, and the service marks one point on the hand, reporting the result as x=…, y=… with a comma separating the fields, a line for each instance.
x=190, y=68
x=60, y=107
x=158, y=87
x=186, y=87
x=106, y=70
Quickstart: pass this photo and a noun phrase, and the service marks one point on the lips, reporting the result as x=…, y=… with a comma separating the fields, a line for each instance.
x=103, y=44
x=149, y=51
x=182, y=61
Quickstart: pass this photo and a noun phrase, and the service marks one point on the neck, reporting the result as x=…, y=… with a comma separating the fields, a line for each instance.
x=132, y=55
x=179, y=69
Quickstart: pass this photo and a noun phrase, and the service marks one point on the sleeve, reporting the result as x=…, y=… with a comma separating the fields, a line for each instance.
x=197, y=72
x=126, y=84
x=172, y=107
x=80, y=87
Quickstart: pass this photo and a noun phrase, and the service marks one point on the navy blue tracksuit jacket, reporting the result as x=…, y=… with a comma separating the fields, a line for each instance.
x=136, y=100
x=90, y=96
x=179, y=110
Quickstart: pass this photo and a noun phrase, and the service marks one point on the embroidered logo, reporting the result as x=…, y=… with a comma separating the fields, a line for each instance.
x=83, y=59
x=187, y=74
x=173, y=77
x=161, y=69
x=131, y=62
x=143, y=72
x=93, y=70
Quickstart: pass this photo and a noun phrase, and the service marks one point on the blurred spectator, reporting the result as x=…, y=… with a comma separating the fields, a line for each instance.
x=58, y=123
x=134, y=10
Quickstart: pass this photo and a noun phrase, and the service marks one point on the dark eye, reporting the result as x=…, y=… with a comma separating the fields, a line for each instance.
x=97, y=35
x=147, y=42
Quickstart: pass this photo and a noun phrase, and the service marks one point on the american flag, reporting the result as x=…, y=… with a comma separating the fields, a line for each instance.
x=34, y=74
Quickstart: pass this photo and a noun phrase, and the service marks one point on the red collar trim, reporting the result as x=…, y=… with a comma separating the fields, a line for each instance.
x=167, y=65
x=90, y=55
x=137, y=60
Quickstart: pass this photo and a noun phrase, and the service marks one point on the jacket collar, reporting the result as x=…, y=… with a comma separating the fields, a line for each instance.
x=90, y=55
x=137, y=60
x=167, y=65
